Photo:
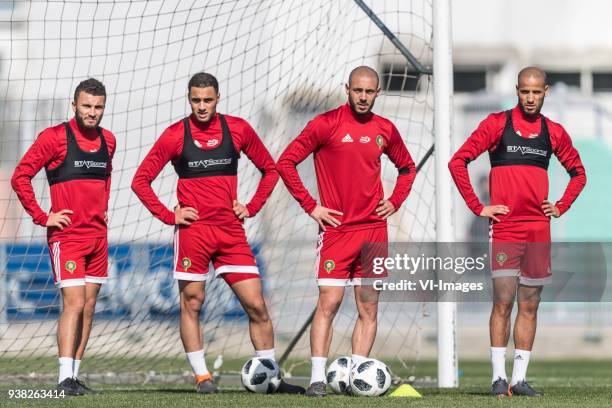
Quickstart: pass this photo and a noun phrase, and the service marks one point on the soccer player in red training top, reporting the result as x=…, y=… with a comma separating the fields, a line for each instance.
x=204, y=149
x=347, y=143
x=520, y=143
x=77, y=158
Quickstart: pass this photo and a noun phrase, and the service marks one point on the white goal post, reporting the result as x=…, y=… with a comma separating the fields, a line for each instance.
x=443, y=126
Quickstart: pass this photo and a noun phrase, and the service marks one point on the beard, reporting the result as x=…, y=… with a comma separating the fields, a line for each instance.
x=532, y=114
x=353, y=106
x=83, y=125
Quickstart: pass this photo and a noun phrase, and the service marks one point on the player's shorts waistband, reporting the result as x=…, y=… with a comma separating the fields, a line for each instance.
x=76, y=238
x=356, y=227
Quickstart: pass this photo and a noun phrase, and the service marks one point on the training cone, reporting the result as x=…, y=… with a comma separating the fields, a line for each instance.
x=405, y=390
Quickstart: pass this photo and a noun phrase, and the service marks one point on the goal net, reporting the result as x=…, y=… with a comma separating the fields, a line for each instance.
x=279, y=63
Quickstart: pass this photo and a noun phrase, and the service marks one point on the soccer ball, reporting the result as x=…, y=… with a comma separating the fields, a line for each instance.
x=370, y=378
x=338, y=375
x=261, y=375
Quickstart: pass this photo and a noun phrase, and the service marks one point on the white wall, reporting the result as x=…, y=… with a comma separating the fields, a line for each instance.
x=531, y=27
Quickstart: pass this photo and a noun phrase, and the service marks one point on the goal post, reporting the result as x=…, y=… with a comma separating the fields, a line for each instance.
x=443, y=125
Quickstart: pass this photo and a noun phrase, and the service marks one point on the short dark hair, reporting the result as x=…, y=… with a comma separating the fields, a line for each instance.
x=91, y=86
x=203, y=80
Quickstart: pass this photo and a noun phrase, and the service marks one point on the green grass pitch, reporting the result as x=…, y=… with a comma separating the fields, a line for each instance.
x=572, y=383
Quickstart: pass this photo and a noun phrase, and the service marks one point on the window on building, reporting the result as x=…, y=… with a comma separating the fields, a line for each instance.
x=571, y=79
x=602, y=81
x=469, y=79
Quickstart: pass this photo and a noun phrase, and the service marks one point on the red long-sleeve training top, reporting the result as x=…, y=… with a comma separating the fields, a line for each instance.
x=347, y=148
x=522, y=188
x=88, y=199
x=212, y=197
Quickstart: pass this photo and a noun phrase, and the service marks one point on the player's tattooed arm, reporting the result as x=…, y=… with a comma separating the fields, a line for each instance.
x=323, y=216
x=550, y=210
x=240, y=210
x=490, y=211
x=59, y=219
x=185, y=215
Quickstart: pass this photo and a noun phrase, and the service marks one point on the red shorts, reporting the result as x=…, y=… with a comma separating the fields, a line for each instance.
x=76, y=262
x=195, y=246
x=339, y=255
x=521, y=249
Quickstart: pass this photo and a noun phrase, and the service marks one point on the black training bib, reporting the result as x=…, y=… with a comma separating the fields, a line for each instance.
x=517, y=150
x=195, y=162
x=79, y=164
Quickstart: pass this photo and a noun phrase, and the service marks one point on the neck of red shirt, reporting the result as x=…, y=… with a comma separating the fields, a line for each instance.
x=525, y=117
x=91, y=134
x=359, y=117
x=203, y=125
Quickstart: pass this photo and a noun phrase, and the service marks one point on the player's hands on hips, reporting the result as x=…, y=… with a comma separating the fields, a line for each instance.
x=240, y=210
x=324, y=216
x=385, y=209
x=490, y=211
x=550, y=210
x=185, y=215
x=59, y=219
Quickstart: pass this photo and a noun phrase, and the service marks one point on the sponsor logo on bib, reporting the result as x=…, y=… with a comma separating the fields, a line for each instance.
x=89, y=164
x=209, y=162
x=526, y=150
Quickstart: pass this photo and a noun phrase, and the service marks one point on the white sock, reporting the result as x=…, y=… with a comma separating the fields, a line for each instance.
x=519, y=370
x=266, y=354
x=65, y=368
x=198, y=364
x=318, y=369
x=356, y=359
x=75, y=368
x=498, y=361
